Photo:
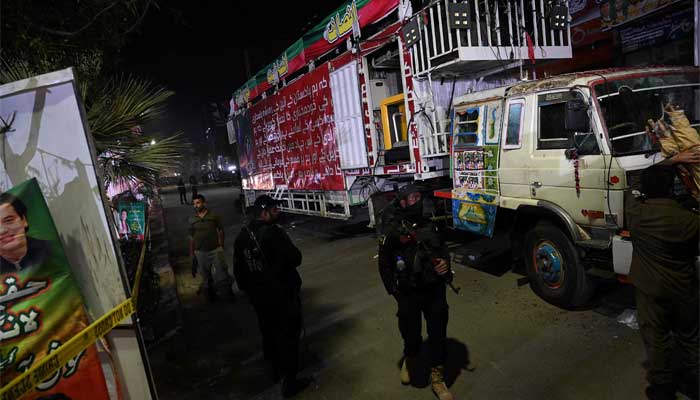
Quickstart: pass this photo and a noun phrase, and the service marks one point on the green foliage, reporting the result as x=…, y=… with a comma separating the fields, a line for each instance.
x=40, y=37
x=64, y=33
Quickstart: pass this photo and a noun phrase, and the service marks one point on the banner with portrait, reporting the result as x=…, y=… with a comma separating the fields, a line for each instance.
x=131, y=221
x=41, y=307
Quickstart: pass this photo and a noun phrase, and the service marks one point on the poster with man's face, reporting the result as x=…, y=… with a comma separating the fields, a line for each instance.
x=41, y=306
x=131, y=219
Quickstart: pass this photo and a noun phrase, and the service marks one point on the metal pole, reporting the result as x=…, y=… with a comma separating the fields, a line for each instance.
x=697, y=32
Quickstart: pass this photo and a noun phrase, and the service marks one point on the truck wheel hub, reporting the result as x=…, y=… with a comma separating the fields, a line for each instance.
x=548, y=264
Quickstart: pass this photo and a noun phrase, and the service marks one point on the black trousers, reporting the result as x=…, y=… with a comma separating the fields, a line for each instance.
x=669, y=324
x=280, y=328
x=183, y=196
x=431, y=302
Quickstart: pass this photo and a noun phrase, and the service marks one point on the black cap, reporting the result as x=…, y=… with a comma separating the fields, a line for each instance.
x=408, y=189
x=264, y=202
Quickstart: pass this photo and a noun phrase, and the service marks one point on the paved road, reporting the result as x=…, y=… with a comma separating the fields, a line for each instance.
x=505, y=343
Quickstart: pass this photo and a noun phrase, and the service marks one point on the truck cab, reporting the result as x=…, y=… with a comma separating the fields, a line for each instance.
x=569, y=150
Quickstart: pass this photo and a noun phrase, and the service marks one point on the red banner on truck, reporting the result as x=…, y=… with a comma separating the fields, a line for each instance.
x=293, y=135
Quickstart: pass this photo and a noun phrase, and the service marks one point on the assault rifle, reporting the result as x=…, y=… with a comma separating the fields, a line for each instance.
x=409, y=230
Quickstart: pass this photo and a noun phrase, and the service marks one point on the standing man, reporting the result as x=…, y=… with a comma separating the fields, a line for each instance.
x=193, y=185
x=265, y=265
x=663, y=271
x=207, y=245
x=183, y=191
x=414, y=266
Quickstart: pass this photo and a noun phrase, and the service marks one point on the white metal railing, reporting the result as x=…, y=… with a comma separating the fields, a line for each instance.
x=496, y=33
x=322, y=204
x=434, y=144
x=433, y=134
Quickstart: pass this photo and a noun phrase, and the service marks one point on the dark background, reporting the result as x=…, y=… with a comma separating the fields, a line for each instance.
x=197, y=50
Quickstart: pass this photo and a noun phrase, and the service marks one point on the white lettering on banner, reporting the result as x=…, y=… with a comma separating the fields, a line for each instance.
x=16, y=324
x=296, y=126
x=5, y=362
x=71, y=367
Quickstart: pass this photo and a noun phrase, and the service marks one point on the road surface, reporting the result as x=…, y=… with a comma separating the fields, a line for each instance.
x=504, y=342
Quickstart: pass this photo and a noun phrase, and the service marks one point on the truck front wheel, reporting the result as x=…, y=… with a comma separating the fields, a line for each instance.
x=554, y=268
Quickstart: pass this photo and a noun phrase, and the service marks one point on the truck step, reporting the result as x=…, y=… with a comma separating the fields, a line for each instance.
x=598, y=244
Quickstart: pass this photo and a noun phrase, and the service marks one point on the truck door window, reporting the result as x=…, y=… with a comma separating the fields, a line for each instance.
x=552, y=133
x=514, y=121
x=467, y=127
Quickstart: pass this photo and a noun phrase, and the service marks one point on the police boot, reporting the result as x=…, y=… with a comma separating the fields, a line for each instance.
x=437, y=384
x=407, y=365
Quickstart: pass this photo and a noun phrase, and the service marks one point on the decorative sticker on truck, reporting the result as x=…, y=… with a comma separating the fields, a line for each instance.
x=494, y=118
x=474, y=217
x=475, y=166
x=293, y=135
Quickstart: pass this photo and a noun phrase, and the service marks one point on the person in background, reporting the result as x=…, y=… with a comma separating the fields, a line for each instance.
x=183, y=191
x=193, y=186
x=665, y=246
x=207, y=245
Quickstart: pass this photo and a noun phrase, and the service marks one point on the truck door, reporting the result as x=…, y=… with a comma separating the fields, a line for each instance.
x=576, y=184
x=515, y=150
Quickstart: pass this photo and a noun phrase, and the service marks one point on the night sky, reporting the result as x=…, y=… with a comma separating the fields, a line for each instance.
x=196, y=49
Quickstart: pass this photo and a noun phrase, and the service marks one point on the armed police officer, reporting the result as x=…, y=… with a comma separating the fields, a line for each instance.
x=415, y=269
x=665, y=238
x=265, y=266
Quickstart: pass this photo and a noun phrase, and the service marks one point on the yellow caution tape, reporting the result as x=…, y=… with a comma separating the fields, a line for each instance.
x=26, y=382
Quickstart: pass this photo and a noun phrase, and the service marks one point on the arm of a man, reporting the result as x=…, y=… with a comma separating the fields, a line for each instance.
x=280, y=253
x=387, y=265
x=290, y=254
x=191, y=232
x=439, y=250
x=240, y=269
x=220, y=231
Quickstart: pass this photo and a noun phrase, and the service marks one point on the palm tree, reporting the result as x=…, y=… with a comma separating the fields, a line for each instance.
x=116, y=109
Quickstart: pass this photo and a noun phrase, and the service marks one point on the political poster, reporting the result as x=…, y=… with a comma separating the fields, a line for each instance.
x=131, y=220
x=41, y=307
x=294, y=135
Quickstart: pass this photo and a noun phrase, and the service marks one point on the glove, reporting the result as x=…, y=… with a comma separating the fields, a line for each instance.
x=194, y=266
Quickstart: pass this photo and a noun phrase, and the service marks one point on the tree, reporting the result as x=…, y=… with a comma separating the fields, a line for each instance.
x=40, y=37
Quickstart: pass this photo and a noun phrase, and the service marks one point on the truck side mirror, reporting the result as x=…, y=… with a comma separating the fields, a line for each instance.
x=576, y=118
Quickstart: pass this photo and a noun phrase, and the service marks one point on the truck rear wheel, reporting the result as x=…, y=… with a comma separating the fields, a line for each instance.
x=554, y=268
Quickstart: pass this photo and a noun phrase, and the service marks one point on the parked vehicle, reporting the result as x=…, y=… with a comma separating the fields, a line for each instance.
x=362, y=102
x=558, y=158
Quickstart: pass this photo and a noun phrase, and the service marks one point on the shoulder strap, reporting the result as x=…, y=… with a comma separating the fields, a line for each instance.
x=254, y=239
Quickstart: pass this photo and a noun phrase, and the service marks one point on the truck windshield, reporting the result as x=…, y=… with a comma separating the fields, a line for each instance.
x=628, y=104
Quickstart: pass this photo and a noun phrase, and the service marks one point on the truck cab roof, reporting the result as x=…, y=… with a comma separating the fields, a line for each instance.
x=567, y=80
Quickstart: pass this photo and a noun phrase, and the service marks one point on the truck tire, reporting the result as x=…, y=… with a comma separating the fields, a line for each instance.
x=554, y=268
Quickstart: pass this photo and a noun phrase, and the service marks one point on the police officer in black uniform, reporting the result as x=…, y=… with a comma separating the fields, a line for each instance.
x=265, y=266
x=665, y=238
x=414, y=266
